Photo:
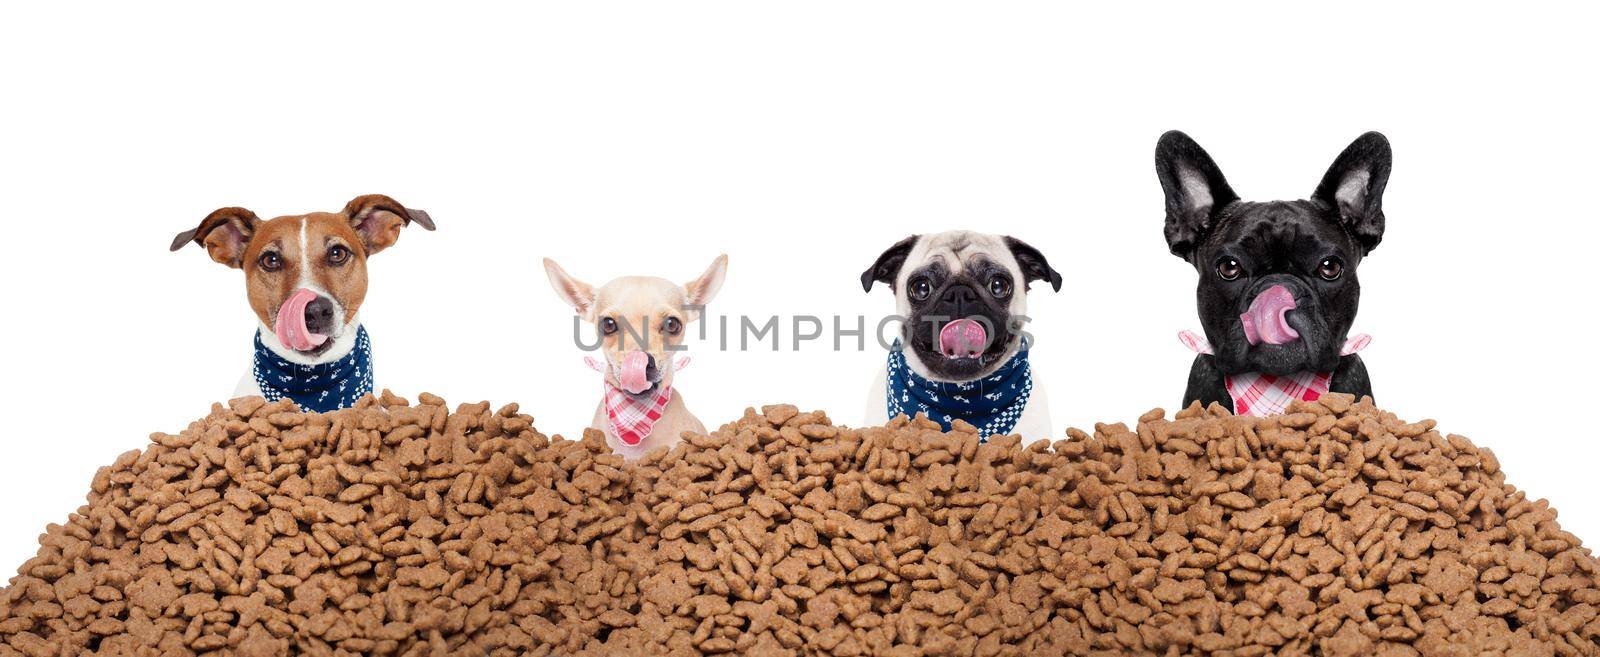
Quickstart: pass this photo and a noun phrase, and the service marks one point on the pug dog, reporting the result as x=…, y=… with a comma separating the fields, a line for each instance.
x=1278, y=290
x=962, y=352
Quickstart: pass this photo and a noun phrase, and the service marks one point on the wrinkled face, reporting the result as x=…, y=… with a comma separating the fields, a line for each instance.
x=640, y=314
x=960, y=300
x=318, y=252
x=1298, y=246
x=1278, y=289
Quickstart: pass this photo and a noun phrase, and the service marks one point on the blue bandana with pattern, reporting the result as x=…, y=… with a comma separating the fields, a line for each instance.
x=320, y=388
x=993, y=404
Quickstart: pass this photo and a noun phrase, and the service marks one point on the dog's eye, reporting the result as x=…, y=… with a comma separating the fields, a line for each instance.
x=271, y=261
x=1229, y=269
x=608, y=326
x=338, y=255
x=920, y=289
x=1000, y=287
x=672, y=326
x=1331, y=268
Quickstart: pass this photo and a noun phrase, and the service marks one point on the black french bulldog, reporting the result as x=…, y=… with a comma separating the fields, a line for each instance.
x=1278, y=288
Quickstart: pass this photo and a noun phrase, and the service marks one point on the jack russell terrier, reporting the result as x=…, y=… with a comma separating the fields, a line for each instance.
x=306, y=276
x=641, y=321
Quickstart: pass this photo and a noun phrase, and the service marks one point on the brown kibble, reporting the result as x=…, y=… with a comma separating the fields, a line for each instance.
x=392, y=529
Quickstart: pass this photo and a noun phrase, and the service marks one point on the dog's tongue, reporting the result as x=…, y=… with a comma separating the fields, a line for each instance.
x=291, y=324
x=1266, y=320
x=632, y=377
x=963, y=338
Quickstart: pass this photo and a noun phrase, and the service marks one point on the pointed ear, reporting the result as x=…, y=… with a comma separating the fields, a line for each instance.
x=1034, y=266
x=225, y=233
x=378, y=220
x=1354, y=185
x=1195, y=189
x=704, y=288
x=887, y=267
x=575, y=293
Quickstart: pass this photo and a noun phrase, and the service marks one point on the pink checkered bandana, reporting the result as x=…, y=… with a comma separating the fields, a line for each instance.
x=1261, y=395
x=632, y=419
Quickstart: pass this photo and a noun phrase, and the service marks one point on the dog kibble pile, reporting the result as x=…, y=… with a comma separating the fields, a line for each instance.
x=394, y=529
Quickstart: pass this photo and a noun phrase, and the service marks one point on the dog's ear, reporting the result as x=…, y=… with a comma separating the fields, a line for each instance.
x=378, y=220
x=573, y=292
x=1354, y=185
x=225, y=233
x=699, y=292
x=1034, y=266
x=887, y=268
x=1195, y=189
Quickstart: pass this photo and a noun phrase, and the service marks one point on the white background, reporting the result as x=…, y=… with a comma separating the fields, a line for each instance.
x=801, y=139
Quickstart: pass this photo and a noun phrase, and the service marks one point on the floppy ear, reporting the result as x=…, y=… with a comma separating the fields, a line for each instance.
x=701, y=290
x=888, y=265
x=1195, y=189
x=225, y=233
x=1034, y=266
x=575, y=293
x=378, y=220
x=1354, y=185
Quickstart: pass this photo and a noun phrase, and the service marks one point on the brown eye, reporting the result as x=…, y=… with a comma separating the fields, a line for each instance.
x=1331, y=268
x=338, y=255
x=1000, y=287
x=672, y=326
x=920, y=289
x=1229, y=270
x=608, y=326
x=271, y=261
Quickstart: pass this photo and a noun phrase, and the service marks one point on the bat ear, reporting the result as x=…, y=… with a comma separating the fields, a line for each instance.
x=1354, y=185
x=573, y=292
x=703, y=289
x=225, y=233
x=1034, y=266
x=887, y=267
x=1195, y=191
x=378, y=220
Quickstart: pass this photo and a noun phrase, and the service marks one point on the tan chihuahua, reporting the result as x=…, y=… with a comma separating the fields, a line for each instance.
x=641, y=321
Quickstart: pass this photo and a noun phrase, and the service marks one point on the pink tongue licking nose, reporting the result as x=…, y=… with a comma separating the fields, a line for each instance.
x=634, y=366
x=1266, y=320
x=291, y=325
x=963, y=338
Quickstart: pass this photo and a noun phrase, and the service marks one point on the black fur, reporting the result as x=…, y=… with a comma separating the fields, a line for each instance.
x=965, y=294
x=1275, y=243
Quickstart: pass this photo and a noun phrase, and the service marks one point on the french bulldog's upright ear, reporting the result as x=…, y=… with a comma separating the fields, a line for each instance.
x=1354, y=185
x=225, y=233
x=1195, y=189
x=575, y=293
x=703, y=289
x=888, y=265
x=1034, y=266
x=378, y=220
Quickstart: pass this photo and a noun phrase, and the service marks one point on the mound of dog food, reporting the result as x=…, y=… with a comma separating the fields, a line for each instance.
x=399, y=529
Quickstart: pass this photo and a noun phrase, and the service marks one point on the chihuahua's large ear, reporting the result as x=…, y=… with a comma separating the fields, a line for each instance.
x=703, y=288
x=1034, y=266
x=887, y=268
x=225, y=233
x=378, y=220
x=575, y=293
x=1195, y=189
x=1354, y=185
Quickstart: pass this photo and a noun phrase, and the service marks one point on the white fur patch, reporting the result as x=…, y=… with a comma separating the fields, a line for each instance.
x=1195, y=188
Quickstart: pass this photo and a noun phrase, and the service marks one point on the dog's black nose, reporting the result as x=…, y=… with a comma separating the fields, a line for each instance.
x=962, y=300
x=319, y=316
